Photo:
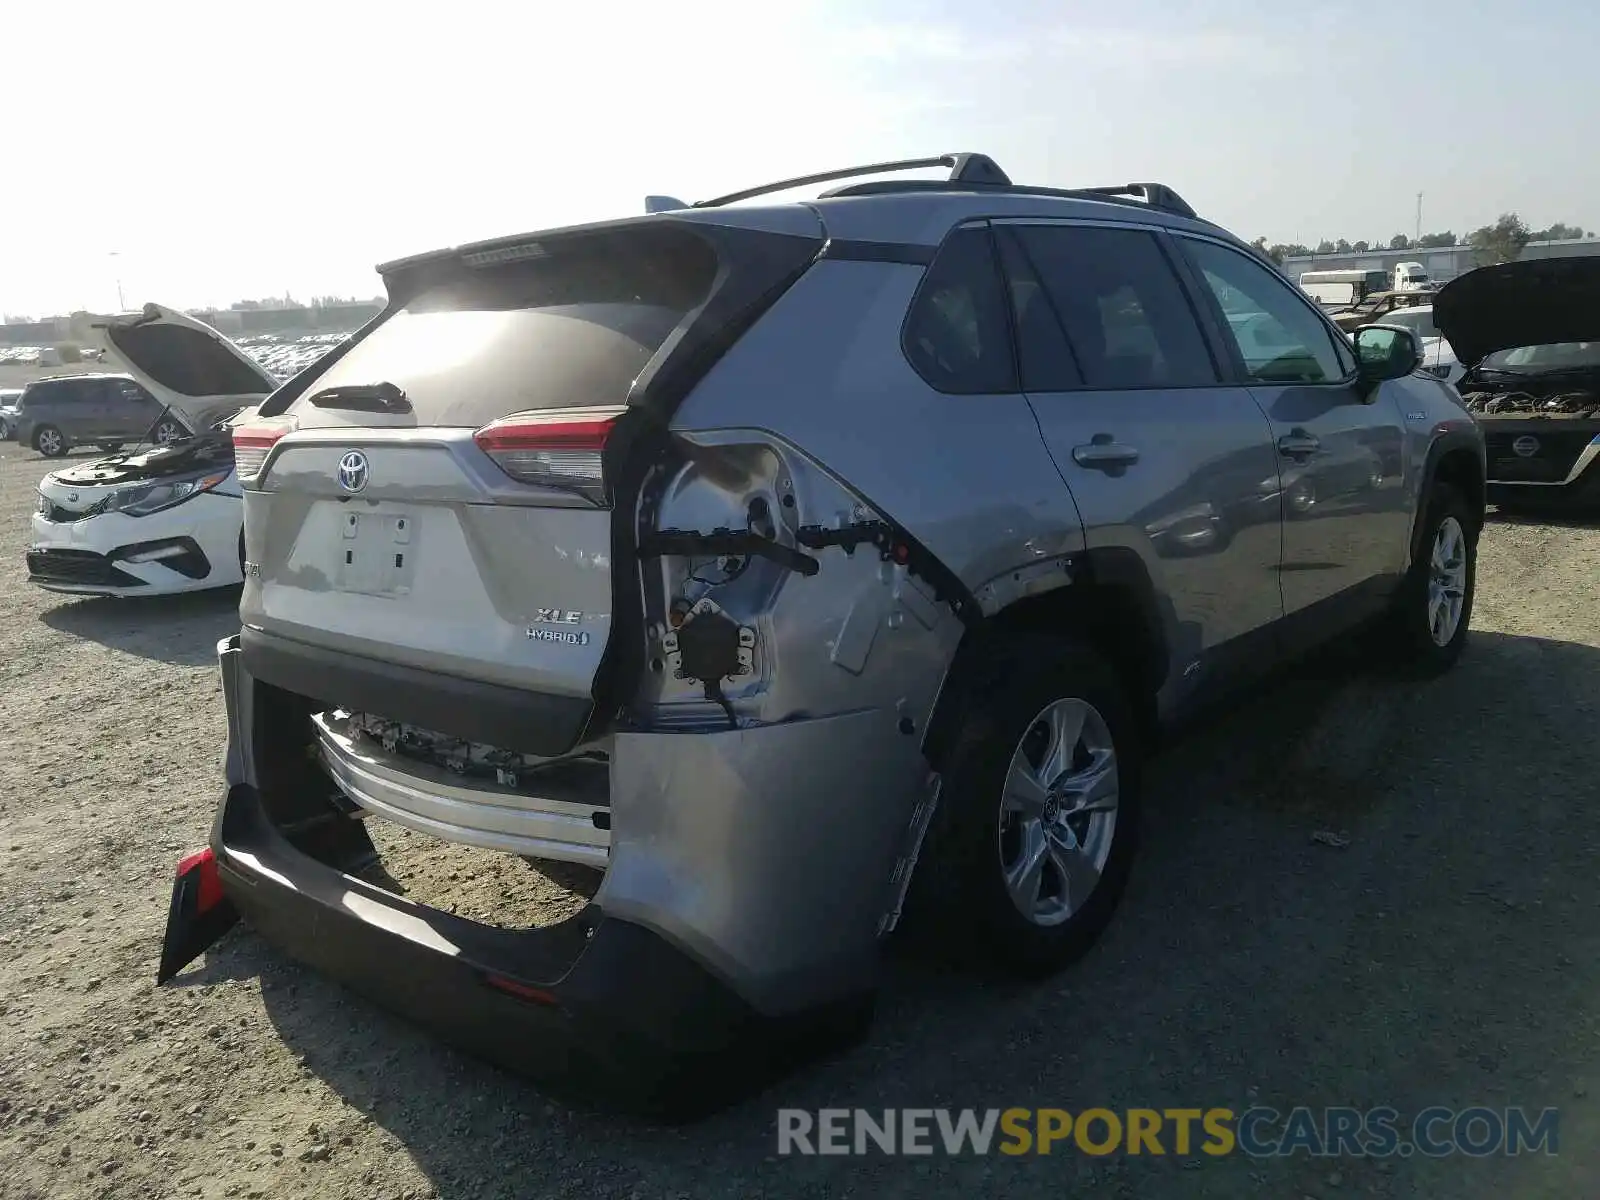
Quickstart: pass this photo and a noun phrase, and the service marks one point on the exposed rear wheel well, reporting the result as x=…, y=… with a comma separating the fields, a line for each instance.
x=1113, y=618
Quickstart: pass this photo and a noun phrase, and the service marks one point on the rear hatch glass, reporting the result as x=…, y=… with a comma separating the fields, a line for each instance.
x=568, y=327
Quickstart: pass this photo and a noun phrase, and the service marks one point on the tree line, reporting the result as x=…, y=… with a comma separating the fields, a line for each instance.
x=1501, y=242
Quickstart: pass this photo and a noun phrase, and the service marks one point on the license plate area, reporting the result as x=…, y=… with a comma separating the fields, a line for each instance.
x=375, y=553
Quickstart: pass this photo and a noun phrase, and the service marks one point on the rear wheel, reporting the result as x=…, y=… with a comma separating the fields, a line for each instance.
x=168, y=431
x=49, y=441
x=1039, y=820
x=1433, y=608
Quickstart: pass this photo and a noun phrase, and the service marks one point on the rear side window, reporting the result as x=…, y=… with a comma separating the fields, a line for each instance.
x=569, y=327
x=957, y=334
x=49, y=393
x=1119, y=303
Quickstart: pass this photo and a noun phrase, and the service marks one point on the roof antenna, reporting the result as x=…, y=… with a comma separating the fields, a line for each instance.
x=659, y=204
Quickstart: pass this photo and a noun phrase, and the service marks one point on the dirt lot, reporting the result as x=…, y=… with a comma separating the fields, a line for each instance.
x=1449, y=954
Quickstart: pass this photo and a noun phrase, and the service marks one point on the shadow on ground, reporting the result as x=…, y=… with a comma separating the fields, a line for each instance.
x=1555, y=516
x=183, y=630
x=1447, y=954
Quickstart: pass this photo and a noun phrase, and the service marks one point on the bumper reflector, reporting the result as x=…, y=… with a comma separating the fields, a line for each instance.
x=521, y=991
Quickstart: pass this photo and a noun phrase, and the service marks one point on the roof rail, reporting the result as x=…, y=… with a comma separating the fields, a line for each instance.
x=965, y=168
x=1154, y=195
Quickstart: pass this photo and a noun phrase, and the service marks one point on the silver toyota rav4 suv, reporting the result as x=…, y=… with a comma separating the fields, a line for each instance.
x=791, y=564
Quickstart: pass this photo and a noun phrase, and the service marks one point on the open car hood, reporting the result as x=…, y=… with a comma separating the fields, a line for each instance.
x=184, y=363
x=212, y=449
x=1534, y=303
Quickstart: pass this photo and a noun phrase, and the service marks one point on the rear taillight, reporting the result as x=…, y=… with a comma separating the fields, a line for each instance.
x=562, y=449
x=251, y=445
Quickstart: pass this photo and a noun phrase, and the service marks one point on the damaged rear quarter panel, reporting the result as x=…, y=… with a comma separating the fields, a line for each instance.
x=776, y=850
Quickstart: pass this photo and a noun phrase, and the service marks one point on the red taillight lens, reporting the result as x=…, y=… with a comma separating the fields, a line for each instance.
x=252, y=444
x=561, y=449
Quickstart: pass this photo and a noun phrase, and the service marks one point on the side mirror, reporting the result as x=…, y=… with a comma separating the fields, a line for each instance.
x=1385, y=352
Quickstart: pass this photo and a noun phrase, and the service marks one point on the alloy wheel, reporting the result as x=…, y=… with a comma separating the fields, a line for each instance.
x=1447, y=581
x=1058, y=813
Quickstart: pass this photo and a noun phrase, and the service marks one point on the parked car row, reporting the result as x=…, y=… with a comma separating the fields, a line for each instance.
x=39, y=356
x=287, y=357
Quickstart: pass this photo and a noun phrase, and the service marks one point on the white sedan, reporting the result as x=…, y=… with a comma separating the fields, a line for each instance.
x=1438, y=359
x=163, y=519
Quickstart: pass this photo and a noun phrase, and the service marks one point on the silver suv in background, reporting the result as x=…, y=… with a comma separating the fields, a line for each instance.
x=791, y=563
x=64, y=411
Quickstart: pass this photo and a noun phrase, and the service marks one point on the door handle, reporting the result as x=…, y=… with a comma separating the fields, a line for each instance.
x=1103, y=454
x=1298, y=444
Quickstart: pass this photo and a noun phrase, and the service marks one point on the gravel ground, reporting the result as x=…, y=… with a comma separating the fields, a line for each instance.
x=1448, y=954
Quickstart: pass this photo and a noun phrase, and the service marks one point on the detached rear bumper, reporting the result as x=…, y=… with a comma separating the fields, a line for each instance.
x=595, y=1009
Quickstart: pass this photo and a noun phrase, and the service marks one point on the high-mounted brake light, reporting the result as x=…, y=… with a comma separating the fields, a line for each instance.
x=563, y=448
x=252, y=444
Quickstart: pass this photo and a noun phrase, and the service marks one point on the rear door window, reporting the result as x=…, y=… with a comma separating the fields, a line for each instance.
x=957, y=334
x=1119, y=303
x=126, y=394
x=569, y=327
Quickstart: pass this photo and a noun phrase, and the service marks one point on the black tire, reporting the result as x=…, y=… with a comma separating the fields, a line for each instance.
x=961, y=896
x=53, y=437
x=166, y=431
x=1411, y=632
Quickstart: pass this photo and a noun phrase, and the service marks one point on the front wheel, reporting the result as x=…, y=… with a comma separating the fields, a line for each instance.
x=50, y=441
x=1039, y=818
x=1433, y=607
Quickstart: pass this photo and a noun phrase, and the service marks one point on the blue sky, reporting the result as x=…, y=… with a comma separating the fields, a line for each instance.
x=225, y=151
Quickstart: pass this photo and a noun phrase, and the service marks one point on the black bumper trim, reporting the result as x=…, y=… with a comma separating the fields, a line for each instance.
x=85, y=568
x=487, y=713
x=630, y=1021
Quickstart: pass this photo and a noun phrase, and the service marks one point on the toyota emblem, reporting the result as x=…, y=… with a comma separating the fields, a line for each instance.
x=353, y=471
x=1526, y=447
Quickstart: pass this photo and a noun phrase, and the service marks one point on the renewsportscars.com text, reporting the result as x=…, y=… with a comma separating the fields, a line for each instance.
x=1259, y=1132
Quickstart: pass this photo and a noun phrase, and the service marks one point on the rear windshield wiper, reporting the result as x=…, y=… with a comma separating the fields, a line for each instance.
x=364, y=397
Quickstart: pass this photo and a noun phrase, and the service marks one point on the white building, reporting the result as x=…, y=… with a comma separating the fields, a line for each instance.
x=1444, y=263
